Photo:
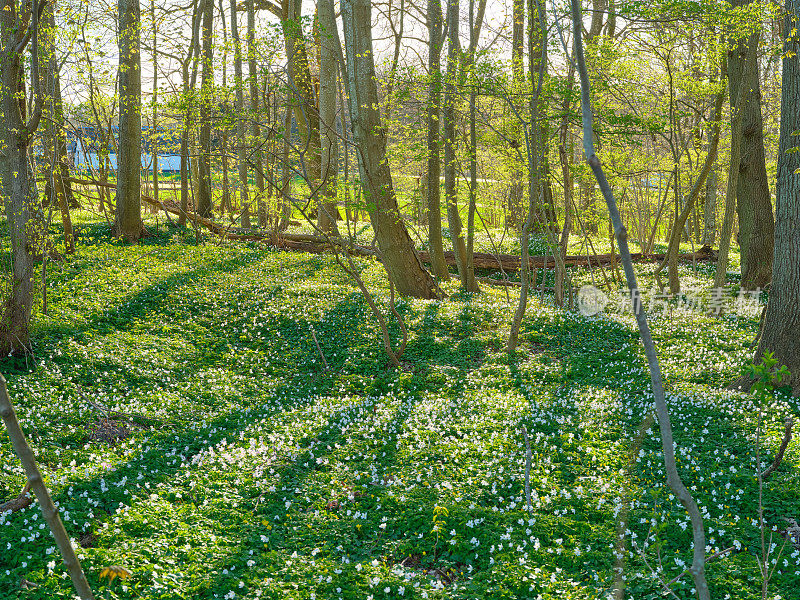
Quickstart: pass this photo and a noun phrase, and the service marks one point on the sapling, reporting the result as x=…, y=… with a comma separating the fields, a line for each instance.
x=674, y=480
x=767, y=375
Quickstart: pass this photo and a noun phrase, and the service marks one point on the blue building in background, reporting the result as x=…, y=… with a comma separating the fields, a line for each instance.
x=84, y=145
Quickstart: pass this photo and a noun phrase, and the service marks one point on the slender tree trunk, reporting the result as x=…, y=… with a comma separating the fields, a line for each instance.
x=188, y=87
x=472, y=284
x=450, y=180
x=537, y=37
x=57, y=145
x=225, y=203
x=400, y=259
x=434, y=17
x=128, y=211
x=671, y=260
x=286, y=173
x=204, y=201
x=241, y=123
x=781, y=332
x=155, y=138
x=676, y=485
x=516, y=192
x=566, y=174
x=710, y=204
x=36, y=482
x=255, y=111
x=330, y=47
x=753, y=202
x=306, y=116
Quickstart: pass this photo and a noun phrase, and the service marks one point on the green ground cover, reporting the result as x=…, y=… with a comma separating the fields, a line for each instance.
x=190, y=433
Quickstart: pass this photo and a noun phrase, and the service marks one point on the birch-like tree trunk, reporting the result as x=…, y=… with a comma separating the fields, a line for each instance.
x=674, y=481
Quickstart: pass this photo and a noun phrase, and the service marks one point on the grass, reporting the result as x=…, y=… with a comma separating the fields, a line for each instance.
x=189, y=432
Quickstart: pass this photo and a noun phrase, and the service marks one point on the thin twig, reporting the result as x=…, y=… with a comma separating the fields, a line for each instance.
x=314, y=335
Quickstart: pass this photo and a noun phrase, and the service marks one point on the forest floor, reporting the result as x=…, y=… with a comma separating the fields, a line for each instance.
x=190, y=432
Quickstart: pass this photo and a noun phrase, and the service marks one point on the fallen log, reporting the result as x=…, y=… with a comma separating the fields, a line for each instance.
x=509, y=262
x=304, y=242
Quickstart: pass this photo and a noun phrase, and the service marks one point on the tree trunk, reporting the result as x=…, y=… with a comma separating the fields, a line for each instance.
x=400, y=259
x=753, y=202
x=450, y=180
x=433, y=188
x=188, y=88
x=36, y=482
x=128, y=211
x=537, y=38
x=781, y=333
x=330, y=47
x=744, y=98
x=676, y=485
x=241, y=123
x=472, y=284
x=225, y=202
x=57, y=144
x=255, y=110
x=154, y=139
x=18, y=179
x=286, y=174
x=204, y=202
x=301, y=85
x=675, y=237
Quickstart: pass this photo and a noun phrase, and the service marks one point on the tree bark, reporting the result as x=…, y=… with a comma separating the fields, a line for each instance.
x=128, y=210
x=450, y=180
x=433, y=188
x=306, y=111
x=154, y=139
x=330, y=47
x=57, y=143
x=241, y=124
x=753, y=202
x=781, y=333
x=188, y=98
x=204, y=202
x=537, y=38
x=401, y=260
x=744, y=97
x=675, y=236
x=255, y=111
